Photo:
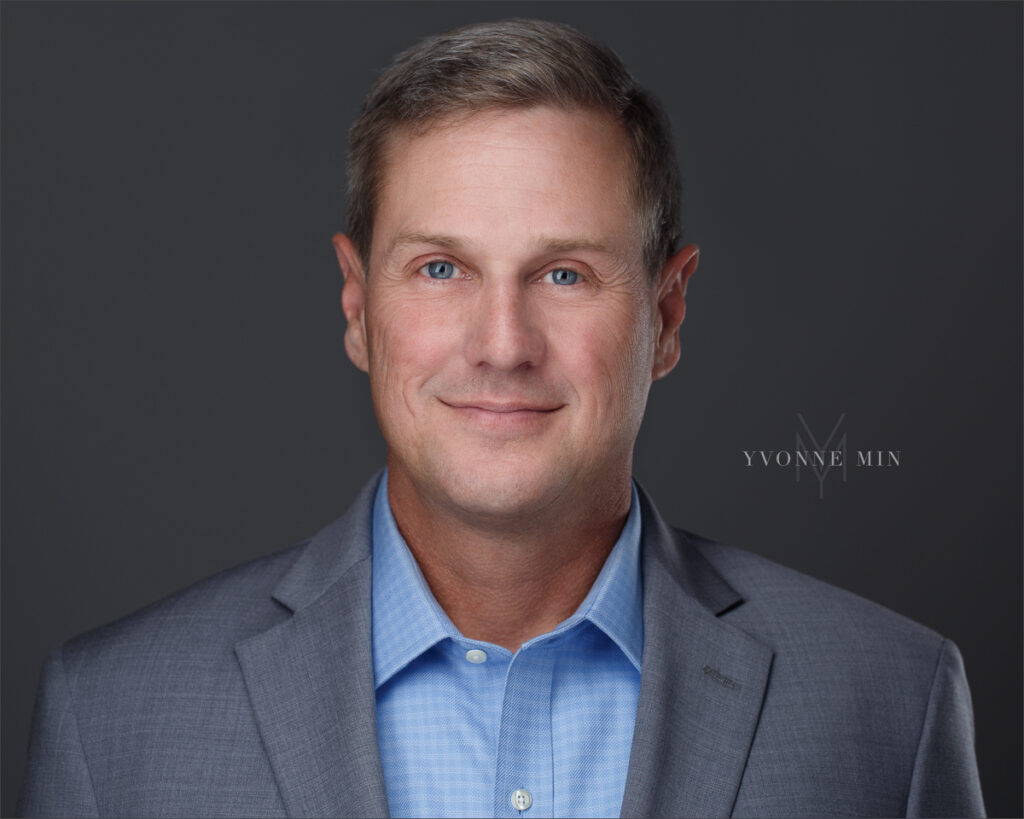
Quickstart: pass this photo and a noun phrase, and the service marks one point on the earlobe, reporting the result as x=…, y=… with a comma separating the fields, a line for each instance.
x=672, y=308
x=353, y=300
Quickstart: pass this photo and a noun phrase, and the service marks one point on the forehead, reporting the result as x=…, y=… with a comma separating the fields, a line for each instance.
x=509, y=174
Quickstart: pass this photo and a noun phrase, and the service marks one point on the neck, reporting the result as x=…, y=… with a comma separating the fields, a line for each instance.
x=508, y=583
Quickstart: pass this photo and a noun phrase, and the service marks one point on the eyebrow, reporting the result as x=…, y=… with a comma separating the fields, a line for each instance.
x=549, y=244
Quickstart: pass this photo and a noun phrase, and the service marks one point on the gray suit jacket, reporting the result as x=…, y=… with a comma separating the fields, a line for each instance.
x=763, y=693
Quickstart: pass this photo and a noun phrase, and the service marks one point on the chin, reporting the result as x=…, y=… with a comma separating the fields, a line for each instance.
x=501, y=491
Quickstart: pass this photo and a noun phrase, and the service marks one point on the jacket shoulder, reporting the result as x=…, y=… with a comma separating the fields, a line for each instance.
x=205, y=619
x=188, y=639
x=787, y=608
x=155, y=704
x=874, y=704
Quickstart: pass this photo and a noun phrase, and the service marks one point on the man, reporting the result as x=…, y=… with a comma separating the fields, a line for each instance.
x=502, y=624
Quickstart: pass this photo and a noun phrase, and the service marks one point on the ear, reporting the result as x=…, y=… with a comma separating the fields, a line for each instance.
x=671, y=308
x=353, y=300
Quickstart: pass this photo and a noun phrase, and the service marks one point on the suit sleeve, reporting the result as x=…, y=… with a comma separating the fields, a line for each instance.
x=945, y=778
x=57, y=780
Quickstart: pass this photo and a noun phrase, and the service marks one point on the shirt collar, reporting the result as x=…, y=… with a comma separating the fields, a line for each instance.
x=407, y=620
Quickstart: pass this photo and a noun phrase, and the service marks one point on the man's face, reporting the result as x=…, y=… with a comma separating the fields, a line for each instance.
x=509, y=328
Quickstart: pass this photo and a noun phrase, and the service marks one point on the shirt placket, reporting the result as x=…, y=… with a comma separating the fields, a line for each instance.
x=523, y=785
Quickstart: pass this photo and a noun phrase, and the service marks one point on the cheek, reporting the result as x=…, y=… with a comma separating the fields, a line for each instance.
x=609, y=358
x=408, y=344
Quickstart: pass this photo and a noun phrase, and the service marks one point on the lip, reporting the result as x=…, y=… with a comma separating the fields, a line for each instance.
x=510, y=417
x=501, y=407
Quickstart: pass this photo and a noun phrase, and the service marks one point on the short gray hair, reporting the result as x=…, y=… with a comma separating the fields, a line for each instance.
x=515, y=64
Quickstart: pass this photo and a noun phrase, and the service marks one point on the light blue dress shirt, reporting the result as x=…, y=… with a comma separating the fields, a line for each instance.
x=465, y=725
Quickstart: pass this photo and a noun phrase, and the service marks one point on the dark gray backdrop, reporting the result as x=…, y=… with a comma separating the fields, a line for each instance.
x=176, y=398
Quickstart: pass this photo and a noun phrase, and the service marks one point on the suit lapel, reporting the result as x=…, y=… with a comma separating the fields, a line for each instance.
x=702, y=685
x=310, y=678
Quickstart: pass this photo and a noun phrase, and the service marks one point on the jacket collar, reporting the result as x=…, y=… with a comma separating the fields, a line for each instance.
x=331, y=553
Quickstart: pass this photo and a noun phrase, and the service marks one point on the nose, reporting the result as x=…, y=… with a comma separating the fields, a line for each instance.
x=504, y=331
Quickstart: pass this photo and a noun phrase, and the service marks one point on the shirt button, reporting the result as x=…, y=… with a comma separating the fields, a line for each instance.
x=475, y=655
x=521, y=799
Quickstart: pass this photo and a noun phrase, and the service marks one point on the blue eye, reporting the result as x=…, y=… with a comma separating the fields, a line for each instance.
x=561, y=275
x=439, y=270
